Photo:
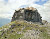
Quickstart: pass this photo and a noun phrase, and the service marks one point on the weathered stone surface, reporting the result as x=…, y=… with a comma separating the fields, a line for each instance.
x=28, y=14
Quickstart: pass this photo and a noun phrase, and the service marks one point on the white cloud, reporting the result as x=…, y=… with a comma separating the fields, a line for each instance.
x=44, y=10
x=11, y=6
x=47, y=10
x=7, y=10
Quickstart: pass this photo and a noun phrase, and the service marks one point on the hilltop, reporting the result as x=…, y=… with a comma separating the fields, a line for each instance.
x=30, y=26
x=28, y=14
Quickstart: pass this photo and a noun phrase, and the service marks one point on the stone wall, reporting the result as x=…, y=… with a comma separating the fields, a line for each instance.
x=28, y=14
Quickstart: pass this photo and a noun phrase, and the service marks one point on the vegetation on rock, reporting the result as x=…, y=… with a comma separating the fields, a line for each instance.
x=24, y=30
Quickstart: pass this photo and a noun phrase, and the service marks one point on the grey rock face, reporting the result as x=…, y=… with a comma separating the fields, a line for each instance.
x=28, y=14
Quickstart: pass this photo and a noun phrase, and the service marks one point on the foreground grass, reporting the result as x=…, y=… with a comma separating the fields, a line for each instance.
x=22, y=27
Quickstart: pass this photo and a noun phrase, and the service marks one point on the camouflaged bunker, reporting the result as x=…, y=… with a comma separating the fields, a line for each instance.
x=28, y=14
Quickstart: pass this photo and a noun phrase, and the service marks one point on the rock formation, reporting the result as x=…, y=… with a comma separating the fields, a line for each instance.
x=28, y=14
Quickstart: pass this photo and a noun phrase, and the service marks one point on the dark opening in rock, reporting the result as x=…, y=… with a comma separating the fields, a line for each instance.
x=5, y=37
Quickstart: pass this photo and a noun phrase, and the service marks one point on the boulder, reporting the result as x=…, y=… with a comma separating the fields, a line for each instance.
x=28, y=14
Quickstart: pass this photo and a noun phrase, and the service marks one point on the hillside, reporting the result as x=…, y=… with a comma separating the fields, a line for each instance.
x=21, y=29
x=26, y=23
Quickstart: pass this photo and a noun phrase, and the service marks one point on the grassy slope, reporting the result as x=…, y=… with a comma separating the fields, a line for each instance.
x=23, y=28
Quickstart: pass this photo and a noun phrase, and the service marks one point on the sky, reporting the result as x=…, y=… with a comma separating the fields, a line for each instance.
x=7, y=7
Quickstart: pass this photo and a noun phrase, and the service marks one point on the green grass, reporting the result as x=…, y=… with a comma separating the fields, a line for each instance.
x=14, y=35
x=44, y=35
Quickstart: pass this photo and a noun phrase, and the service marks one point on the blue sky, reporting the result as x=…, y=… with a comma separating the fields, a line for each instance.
x=6, y=0
x=41, y=2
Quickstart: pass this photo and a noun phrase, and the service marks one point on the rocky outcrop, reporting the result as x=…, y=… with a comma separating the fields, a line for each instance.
x=28, y=14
